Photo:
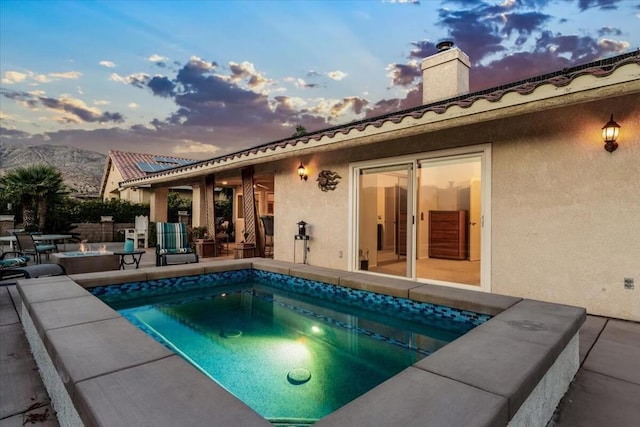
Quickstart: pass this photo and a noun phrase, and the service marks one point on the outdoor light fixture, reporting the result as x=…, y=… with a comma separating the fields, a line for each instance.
x=610, y=133
x=302, y=172
x=302, y=228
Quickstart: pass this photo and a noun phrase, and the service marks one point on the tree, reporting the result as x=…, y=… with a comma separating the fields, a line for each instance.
x=33, y=187
x=300, y=131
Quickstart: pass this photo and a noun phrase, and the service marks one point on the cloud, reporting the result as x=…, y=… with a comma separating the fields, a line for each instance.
x=576, y=48
x=189, y=147
x=404, y=74
x=523, y=24
x=350, y=104
x=13, y=133
x=386, y=106
x=613, y=45
x=476, y=31
x=551, y=52
x=485, y=31
x=74, y=110
x=161, y=86
x=101, y=102
x=337, y=75
x=68, y=75
x=601, y=4
x=13, y=77
x=413, y=2
x=301, y=83
x=609, y=31
x=159, y=60
x=107, y=64
x=422, y=49
x=137, y=79
x=133, y=105
x=247, y=71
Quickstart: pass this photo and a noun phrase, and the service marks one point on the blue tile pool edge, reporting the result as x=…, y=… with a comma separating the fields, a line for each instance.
x=406, y=309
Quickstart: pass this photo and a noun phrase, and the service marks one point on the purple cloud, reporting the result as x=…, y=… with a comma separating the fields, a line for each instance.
x=77, y=110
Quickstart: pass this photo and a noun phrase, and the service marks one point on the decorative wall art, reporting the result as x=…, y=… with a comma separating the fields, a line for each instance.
x=328, y=180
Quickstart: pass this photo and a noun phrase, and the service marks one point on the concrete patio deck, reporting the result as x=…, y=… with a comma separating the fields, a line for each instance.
x=605, y=391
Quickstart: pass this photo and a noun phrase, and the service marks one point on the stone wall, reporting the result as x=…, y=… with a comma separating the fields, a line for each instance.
x=102, y=232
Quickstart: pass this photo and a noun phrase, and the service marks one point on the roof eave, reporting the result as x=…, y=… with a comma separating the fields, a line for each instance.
x=581, y=89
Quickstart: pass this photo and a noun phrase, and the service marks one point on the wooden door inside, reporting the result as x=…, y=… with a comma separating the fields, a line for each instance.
x=401, y=220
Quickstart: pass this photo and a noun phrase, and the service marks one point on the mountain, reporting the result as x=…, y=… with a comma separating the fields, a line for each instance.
x=81, y=169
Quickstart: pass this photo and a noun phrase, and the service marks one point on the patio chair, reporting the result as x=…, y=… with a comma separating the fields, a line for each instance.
x=27, y=246
x=222, y=236
x=139, y=233
x=173, y=244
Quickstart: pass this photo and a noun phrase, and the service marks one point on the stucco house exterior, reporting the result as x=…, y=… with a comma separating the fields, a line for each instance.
x=122, y=166
x=507, y=190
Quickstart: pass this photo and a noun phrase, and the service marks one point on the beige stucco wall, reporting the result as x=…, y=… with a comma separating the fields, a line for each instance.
x=325, y=212
x=111, y=185
x=566, y=214
x=133, y=195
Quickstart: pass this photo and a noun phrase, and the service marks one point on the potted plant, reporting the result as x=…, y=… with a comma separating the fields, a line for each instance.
x=199, y=233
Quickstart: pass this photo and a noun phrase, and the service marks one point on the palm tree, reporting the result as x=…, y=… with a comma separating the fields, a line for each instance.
x=33, y=187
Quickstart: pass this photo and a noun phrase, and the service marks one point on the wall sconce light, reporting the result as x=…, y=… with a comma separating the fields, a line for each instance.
x=610, y=133
x=302, y=172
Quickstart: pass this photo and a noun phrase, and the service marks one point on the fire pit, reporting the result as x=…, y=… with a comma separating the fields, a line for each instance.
x=87, y=261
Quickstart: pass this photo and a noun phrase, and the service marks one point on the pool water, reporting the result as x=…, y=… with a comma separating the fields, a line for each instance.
x=293, y=358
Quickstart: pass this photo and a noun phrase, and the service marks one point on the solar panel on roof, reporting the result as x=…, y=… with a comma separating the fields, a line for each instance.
x=152, y=167
x=164, y=159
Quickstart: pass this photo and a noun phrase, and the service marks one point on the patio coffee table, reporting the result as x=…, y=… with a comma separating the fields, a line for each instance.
x=136, y=256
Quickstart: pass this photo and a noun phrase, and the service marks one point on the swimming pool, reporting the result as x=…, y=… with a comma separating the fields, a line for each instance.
x=293, y=349
x=99, y=369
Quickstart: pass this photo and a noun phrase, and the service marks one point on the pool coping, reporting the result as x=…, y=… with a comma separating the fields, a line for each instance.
x=512, y=369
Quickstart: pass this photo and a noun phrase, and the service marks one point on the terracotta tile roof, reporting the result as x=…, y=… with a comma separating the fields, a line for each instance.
x=127, y=163
x=601, y=68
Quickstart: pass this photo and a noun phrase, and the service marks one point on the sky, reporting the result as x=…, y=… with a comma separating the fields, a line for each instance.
x=201, y=79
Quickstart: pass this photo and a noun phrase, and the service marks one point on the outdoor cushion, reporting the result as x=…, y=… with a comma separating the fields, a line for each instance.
x=41, y=247
x=184, y=258
x=14, y=262
x=175, y=251
x=33, y=271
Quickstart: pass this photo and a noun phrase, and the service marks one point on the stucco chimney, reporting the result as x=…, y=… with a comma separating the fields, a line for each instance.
x=445, y=74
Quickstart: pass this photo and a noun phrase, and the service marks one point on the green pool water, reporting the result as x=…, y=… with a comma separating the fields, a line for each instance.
x=292, y=358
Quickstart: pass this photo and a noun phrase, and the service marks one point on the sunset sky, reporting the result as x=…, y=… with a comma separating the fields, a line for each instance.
x=199, y=79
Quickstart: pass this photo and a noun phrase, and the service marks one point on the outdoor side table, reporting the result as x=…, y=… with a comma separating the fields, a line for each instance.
x=136, y=256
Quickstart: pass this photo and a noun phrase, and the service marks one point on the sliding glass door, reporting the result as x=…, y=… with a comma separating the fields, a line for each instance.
x=423, y=217
x=385, y=219
x=449, y=219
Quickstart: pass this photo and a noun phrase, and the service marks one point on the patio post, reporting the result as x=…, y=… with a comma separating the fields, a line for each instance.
x=158, y=204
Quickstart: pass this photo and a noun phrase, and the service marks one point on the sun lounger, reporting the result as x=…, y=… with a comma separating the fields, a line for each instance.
x=32, y=271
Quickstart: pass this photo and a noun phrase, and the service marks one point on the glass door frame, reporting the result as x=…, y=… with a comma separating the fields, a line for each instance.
x=481, y=150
